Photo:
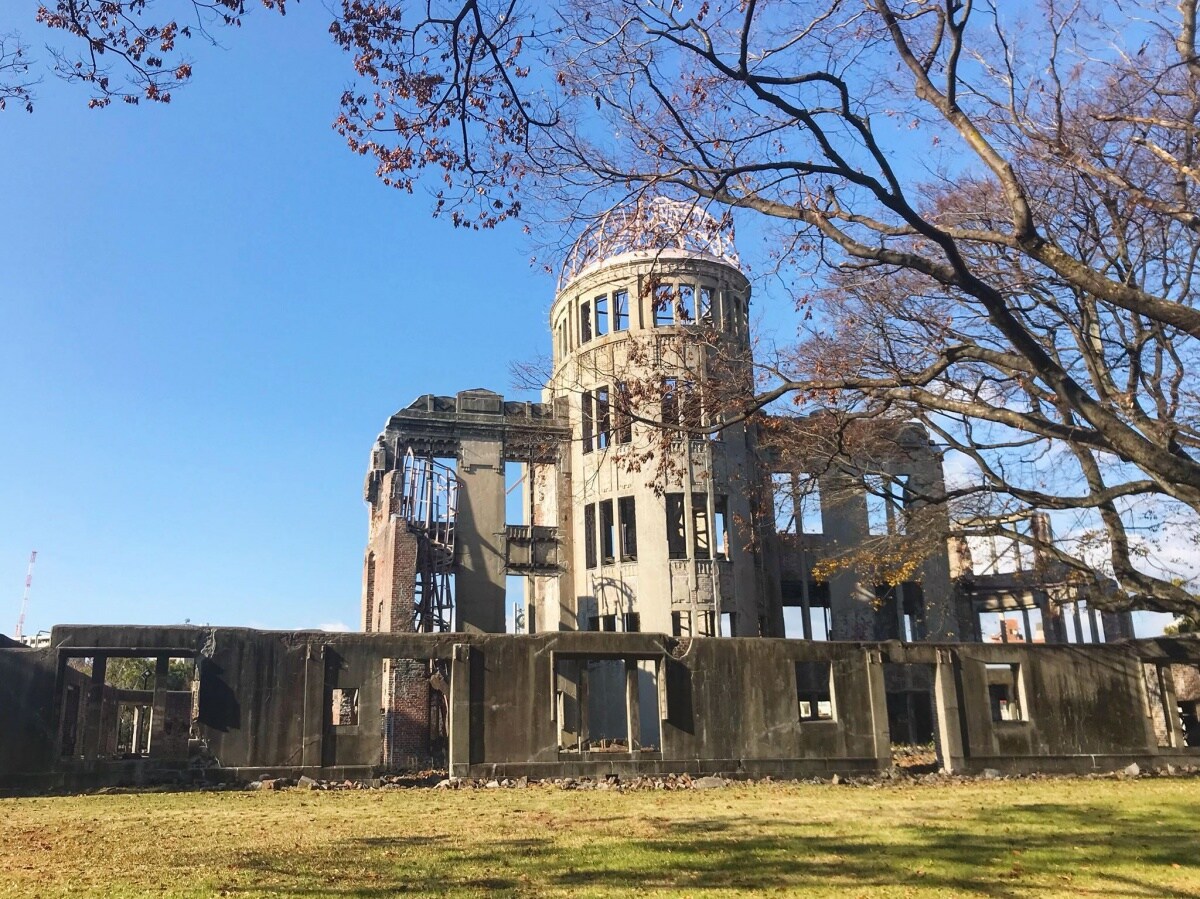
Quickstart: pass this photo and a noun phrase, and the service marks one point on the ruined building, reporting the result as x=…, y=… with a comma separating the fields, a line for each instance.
x=644, y=510
x=665, y=547
x=628, y=525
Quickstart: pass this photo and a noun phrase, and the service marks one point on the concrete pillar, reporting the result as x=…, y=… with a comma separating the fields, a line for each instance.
x=135, y=742
x=940, y=612
x=949, y=723
x=90, y=744
x=459, y=725
x=479, y=584
x=585, y=725
x=873, y=660
x=1171, y=707
x=633, y=713
x=313, y=735
x=158, y=712
x=844, y=516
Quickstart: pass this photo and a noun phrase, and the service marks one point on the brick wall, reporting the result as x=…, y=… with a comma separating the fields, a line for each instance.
x=389, y=578
x=406, y=723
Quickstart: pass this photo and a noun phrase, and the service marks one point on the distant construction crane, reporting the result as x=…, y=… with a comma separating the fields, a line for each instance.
x=25, y=595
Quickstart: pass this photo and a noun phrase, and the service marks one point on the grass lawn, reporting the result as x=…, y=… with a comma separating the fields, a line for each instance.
x=991, y=838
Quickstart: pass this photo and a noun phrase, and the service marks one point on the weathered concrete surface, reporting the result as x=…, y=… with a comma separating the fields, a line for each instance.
x=28, y=724
x=727, y=705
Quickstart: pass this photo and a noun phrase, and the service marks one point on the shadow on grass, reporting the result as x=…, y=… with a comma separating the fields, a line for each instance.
x=1006, y=851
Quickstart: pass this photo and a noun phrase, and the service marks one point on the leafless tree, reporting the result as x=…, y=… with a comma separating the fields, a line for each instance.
x=993, y=207
x=129, y=50
x=16, y=83
x=987, y=210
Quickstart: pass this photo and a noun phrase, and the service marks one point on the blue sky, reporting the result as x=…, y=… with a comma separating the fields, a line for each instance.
x=208, y=312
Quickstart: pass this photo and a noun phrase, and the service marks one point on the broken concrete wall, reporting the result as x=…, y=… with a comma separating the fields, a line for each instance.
x=28, y=725
x=738, y=700
x=309, y=701
x=1074, y=702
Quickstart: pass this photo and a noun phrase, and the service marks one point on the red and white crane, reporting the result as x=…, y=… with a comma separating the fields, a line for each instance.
x=25, y=595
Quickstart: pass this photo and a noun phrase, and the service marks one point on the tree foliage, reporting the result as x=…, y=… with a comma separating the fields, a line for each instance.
x=138, y=673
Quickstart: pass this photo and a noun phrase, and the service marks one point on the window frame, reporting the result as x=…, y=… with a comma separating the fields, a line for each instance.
x=589, y=535
x=676, y=520
x=587, y=421
x=608, y=533
x=663, y=305
x=627, y=527
x=620, y=310
x=585, y=321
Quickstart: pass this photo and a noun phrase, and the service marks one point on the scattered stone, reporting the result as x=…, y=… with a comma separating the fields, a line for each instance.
x=308, y=783
x=990, y=774
x=1133, y=770
x=707, y=783
x=492, y=784
x=836, y=779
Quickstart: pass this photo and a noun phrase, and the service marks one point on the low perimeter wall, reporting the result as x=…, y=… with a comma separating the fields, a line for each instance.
x=559, y=704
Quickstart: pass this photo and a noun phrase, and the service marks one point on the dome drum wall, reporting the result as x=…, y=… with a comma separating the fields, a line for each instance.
x=645, y=342
x=650, y=293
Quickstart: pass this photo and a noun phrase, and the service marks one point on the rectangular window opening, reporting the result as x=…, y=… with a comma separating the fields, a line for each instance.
x=631, y=622
x=589, y=535
x=621, y=310
x=585, y=322
x=706, y=305
x=669, y=401
x=676, y=536
x=623, y=414
x=710, y=412
x=808, y=496
x=702, y=539
x=814, y=691
x=1004, y=694
x=690, y=406
x=601, y=315
x=913, y=612
x=664, y=306
x=685, y=303
x=784, y=496
x=608, y=533
x=887, y=500
x=627, y=516
x=603, y=418
x=1186, y=680
x=1082, y=623
x=728, y=623
x=343, y=707
x=721, y=526
x=1023, y=625
x=588, y=426
x=806, y=610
